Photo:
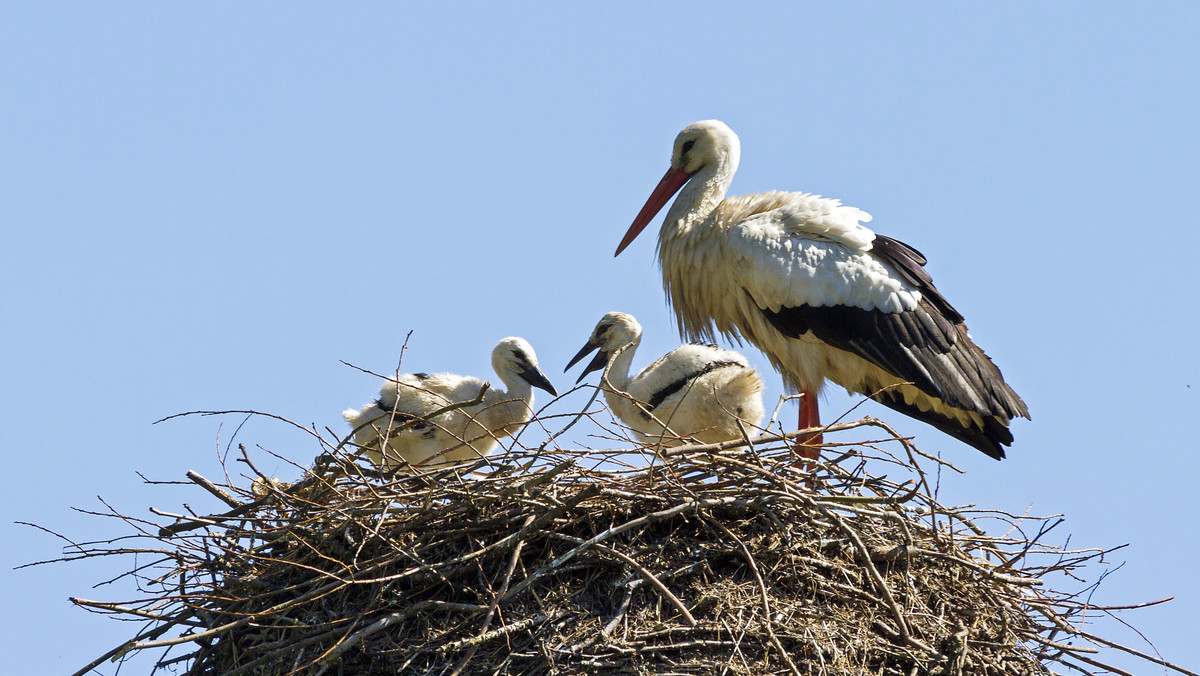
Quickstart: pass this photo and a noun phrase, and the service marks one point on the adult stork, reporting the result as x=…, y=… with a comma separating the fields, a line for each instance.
x=401, y=426
x=821, y=295
x=697, y=392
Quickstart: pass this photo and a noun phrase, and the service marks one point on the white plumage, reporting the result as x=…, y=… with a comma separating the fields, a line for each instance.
x=695, y=391
x=820, y=294
x=403, y=412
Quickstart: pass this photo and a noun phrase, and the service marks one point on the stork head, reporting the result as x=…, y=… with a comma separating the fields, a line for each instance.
x=704, y=144
x=614, y=331
x=515, y=355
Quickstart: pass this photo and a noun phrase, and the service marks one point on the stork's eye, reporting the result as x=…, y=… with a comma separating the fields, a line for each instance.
x=687, y=147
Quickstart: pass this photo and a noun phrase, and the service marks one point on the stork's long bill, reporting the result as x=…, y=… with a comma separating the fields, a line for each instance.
x=598, y=362
x=670, y=184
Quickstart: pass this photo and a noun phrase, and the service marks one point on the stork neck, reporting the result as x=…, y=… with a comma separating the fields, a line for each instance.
x=617, y=372
x=518, y=387
x=701, y=195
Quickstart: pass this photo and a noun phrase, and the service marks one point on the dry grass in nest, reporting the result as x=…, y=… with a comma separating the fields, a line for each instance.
x=711, y=560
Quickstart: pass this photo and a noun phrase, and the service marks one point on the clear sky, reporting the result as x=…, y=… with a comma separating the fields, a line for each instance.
x=208, y=206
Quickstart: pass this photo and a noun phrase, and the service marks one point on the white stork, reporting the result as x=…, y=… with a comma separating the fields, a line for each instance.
x=694, y=391
x=402, y=413
x=823, y=296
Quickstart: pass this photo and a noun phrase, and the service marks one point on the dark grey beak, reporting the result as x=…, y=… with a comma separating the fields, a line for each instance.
x=598, y=362
x=534, y=376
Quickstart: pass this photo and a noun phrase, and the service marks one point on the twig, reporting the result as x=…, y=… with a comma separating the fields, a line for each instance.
x=615, y=530
x=762, y=588
x=487, y=621
x=214, y=489
x=391, y=619
x=502, y=631
x=646, y=574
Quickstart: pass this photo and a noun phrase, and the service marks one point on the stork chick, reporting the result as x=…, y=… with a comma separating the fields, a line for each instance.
x=400, y=426
x=694, y=391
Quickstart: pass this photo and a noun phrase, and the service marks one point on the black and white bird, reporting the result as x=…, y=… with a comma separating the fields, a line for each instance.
x=821, y=295
x=402, y=415
x=696, y=392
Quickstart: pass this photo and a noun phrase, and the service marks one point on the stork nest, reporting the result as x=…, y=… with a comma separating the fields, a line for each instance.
x=716, y=559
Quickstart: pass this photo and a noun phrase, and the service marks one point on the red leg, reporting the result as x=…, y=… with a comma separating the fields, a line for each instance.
x=810, y=416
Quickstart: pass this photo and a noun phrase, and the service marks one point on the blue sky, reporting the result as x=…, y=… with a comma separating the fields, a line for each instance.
x=209, y=207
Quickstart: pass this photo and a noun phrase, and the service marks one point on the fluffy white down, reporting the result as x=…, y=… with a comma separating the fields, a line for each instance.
x=706, y=408
x=453, y=437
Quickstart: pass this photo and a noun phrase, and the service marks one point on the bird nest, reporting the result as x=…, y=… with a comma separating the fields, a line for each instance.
x=733, y=558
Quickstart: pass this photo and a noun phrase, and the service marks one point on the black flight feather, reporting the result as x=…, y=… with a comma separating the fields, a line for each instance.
x=927, y=346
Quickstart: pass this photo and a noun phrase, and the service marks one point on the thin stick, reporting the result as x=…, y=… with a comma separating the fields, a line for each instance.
x=646, y=574
x=762, y=589
x=487, y=621
x=214, y=489
x=615, y=530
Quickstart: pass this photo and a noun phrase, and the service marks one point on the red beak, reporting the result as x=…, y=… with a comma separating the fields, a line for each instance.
x=670, y=184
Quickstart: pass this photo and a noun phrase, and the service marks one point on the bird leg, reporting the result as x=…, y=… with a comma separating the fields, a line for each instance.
x=810, y=416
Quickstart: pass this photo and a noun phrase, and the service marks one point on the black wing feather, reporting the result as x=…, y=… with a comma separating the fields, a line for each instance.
x=913, y=346
x=911, y=265
x=991, y=440
x=878, y=337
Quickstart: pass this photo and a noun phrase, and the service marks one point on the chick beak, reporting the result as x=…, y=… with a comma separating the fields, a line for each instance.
x=598, y=362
